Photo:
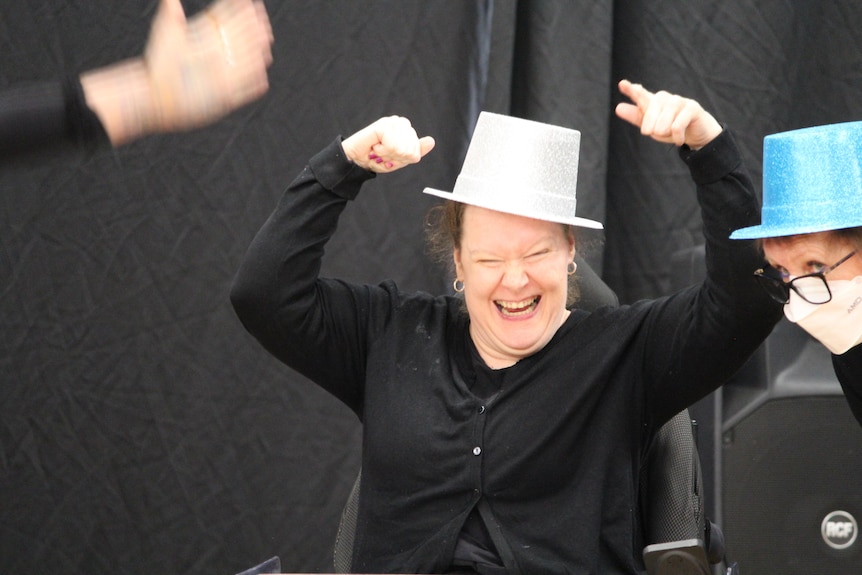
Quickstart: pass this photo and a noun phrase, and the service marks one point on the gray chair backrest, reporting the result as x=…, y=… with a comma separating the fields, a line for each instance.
x=343, y=553
x=672, y=506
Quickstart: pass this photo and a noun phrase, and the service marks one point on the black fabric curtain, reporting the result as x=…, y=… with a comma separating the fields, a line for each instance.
x=142, y=430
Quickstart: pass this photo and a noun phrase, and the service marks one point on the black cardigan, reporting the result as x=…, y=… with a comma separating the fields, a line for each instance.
x=553, y=461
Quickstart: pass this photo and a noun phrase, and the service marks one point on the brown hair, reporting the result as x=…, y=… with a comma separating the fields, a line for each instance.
x=852, y=235
x=443, y=230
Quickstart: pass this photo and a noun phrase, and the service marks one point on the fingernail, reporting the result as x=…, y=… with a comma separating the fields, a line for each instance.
x=372, y=156
x=379, y=160
x=389, y=164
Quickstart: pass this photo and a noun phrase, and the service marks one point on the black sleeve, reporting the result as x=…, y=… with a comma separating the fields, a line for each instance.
x=314, y=325
x=47, y=116
x=701, y=336
x=848, y=368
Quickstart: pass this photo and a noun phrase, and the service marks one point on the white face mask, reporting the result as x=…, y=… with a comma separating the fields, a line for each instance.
x=837, y=324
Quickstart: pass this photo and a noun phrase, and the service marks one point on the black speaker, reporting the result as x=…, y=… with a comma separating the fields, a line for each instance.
x=792, y=472
x=784, y=455
x=791, y=463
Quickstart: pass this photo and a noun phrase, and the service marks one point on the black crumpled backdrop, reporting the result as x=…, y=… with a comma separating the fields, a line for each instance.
x=142, y=430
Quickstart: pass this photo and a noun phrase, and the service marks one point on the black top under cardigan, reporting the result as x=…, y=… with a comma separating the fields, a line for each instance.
x=553, y=460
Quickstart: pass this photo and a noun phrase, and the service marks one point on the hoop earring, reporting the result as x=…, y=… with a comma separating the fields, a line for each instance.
x=458, y=285
x=570, y=269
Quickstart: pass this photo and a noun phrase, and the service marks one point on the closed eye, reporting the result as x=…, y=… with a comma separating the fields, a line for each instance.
x=538, y=254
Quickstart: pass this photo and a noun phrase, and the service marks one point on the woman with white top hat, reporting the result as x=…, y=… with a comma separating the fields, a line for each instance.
x=811, y=235
x=505, y=432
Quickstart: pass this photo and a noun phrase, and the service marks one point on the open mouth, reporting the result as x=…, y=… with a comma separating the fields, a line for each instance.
x=517, y=308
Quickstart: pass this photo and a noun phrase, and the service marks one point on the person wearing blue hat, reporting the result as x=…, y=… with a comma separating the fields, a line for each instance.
x=811, y=234
x=505, y=430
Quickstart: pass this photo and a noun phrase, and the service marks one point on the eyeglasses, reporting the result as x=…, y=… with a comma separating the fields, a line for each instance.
x=810, y=287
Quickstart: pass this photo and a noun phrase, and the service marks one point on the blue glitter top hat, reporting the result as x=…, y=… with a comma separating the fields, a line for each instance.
x=521, y=167
x=812, y=181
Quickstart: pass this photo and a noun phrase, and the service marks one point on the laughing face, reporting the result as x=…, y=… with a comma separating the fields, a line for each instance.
x=515, y=278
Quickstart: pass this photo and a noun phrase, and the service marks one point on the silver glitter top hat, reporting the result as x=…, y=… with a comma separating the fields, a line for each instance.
x=812, y=181
x=521, y=167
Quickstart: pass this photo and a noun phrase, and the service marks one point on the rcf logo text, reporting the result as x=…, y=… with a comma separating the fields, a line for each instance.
x=839, y=529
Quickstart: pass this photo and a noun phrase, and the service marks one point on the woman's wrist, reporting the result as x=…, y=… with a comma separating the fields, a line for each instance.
x=121, y=96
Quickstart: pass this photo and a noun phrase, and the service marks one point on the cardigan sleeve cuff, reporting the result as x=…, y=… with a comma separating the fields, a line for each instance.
x=336, y=172
x=47, y=114
x=82, y=124
x=714, y=161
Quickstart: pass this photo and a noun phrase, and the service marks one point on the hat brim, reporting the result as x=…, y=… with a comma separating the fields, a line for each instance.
x=776, y=231
x=524, y=211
